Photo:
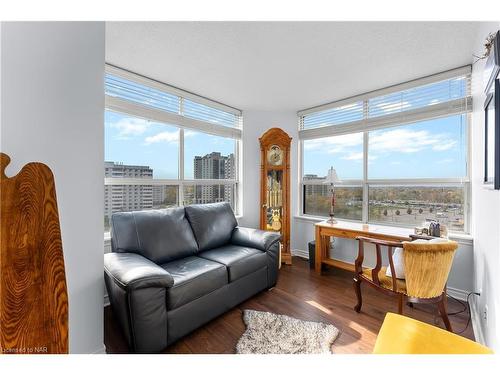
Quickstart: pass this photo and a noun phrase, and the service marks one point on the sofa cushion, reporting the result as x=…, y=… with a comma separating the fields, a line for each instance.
x=240, y=261
x=212, y=224
x=159, y=235
x=194, y=277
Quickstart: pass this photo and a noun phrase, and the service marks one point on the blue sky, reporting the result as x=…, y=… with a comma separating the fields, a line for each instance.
x=434, y=148
x=136, y=141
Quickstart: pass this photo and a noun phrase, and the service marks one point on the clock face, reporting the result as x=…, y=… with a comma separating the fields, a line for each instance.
x=275, y=155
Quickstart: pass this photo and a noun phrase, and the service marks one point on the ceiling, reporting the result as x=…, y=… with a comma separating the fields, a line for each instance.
x=287, y=65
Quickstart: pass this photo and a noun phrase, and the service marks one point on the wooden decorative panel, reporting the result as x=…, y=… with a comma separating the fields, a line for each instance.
x=33, y=293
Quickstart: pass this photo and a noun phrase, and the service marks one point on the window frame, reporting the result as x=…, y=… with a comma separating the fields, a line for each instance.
x=182, y=123
x=383, y=122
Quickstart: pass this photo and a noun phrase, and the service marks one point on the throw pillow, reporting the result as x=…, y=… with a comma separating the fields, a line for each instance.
x=399, y=264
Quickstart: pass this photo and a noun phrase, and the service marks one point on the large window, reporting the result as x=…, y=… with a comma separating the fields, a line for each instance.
x=165, y=147
x=401, y=154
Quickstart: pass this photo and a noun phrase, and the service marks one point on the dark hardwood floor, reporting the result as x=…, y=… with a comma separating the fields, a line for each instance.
x=302, y=294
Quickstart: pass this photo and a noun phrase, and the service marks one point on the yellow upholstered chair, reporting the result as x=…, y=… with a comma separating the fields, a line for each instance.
x=402, y=335
x=426, y=267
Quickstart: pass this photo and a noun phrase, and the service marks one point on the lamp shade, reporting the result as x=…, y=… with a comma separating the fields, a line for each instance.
x=332, y=177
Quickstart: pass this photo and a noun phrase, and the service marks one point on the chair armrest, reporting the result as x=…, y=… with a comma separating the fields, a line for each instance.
x=256, y=238
x=132, y=271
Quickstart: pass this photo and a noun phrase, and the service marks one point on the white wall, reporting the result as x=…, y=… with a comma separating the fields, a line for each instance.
x=486, y=211
x=52, y=101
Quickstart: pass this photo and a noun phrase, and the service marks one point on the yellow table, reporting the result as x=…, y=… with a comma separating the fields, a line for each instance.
x=402, y=335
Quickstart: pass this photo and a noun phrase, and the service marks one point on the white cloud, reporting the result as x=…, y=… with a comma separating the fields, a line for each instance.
x=446, y=161
x=167, y=137
x=128, y=127
x=353, y=156
x=386, y=142
x=333, y=145
x=409, y=141
x=357, y=156
x=445, y=145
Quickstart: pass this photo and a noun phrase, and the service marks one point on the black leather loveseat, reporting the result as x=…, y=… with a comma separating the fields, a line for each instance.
x=173, y=270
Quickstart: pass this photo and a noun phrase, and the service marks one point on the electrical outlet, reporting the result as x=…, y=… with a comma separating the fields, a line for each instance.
x=485, y=314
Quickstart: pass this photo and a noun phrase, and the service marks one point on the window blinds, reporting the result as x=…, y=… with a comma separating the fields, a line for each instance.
x=143, y=97
x=443, y=94
x=334, y=116
x=209, y=114
x=128, y=90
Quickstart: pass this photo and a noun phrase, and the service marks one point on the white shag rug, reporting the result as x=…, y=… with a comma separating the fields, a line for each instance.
x=269, y=333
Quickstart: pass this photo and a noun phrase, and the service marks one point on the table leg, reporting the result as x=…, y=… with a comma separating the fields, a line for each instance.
x=326, y=246
x=318, y=251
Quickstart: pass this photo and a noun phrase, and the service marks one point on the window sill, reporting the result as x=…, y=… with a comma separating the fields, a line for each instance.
x=461, y=238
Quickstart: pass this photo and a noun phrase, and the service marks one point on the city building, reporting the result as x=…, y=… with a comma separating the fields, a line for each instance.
x=214, y=166
x=314, y=185
x=128, y=197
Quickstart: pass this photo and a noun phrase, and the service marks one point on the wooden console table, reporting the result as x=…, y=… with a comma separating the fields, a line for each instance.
x=348, y=229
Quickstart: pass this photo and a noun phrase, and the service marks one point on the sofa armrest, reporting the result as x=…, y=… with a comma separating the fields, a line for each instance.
x=256, y=238
x=132, y=271
x=137, y=289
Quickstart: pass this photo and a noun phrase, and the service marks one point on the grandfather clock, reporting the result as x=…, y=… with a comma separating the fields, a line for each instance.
x=275, y=187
